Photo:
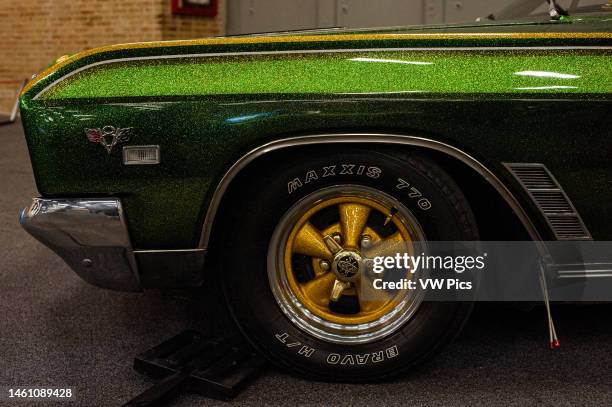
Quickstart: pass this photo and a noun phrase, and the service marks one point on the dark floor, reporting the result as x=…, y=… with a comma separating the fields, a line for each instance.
x=56, y=330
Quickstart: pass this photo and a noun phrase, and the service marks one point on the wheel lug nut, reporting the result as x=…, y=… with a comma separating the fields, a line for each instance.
x=337, y=238
x=325, y=266
x=366, y=241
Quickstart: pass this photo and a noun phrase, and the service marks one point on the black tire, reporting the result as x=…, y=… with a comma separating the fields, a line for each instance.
x=443, y=212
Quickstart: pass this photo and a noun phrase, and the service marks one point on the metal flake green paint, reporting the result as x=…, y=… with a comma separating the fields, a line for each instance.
x=363, y=72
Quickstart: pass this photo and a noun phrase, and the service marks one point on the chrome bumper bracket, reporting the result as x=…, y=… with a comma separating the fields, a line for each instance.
x=90, y=235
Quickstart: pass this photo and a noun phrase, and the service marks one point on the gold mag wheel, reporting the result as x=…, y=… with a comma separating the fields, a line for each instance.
x=320, y=263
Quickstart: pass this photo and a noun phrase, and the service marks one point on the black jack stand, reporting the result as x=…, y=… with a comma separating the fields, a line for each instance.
x=215, y=368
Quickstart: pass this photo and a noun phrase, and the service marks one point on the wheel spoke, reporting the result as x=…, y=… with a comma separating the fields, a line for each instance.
x=309, y=241
x=353, y=218
x=387, y=247
x=319, y=289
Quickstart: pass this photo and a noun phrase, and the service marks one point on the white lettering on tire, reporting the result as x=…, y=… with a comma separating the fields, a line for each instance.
x=347, y=169
x=313, y=175
x=378, y=356
x=362, y=359
x=304, y=350
x=333, y=358
x=336, y=358
x=374, y=172
x=329, y=171
x=294, y=184
x=348, y=360
x=422, y=202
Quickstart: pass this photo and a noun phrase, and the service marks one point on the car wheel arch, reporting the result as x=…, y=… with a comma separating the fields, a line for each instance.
x=435, y=149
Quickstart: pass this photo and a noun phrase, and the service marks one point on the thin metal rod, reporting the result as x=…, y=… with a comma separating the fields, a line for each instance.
x=552, y=332
x=15, y=111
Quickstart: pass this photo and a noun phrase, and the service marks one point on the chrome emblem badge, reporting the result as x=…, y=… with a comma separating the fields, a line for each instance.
x=348, y=266
x=108, y=136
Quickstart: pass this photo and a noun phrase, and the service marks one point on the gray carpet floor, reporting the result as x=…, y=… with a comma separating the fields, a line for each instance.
x=56, y=330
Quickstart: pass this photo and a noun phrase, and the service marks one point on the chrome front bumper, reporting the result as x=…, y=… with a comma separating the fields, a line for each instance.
x=90, y=235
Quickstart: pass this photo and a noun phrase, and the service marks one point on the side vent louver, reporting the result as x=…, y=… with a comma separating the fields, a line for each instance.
x=533, y=177
x=551, y=200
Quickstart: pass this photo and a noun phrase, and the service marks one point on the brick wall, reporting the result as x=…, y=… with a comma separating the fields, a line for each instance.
x=33, y=33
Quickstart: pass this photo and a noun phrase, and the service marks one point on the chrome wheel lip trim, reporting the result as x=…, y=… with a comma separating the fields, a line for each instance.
x=304, y=319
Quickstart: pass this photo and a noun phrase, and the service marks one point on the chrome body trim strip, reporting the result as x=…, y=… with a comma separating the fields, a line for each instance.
x=90, y=235
x=583, y=270
x=309, y=51
x=585, y=274
x=367, y=138
x=171, y=251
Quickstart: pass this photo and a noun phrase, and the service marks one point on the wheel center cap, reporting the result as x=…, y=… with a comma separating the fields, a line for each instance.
x=347, y=265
